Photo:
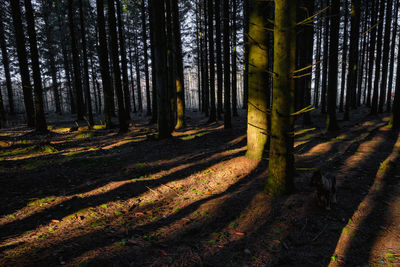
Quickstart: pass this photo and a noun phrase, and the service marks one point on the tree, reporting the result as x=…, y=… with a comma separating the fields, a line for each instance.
x=104, y=65
x=258, y=105
x=123, y=126
x=75, y=62
x=210, y=9
x=245, y=52
x=218, y=55
x=124, y=66
x=391, y=64
x=160, y=65
x=85, y=65
x=374, y=105
x=333, y=65
x=6, y=65
x=180, y=85
x=344, y=57
x=46, y=11
x=40, y=119
x=227, y=88
x=371, y=55
x=386, y=50
x=281, y=160
x=146, y=63
x=234, y=60
x=395, y=115
x=325, y=63
x=23, y=62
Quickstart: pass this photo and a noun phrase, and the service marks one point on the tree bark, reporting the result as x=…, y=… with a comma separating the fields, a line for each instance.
x=146, y=63
x=281, y=160
x=218, y=54
x=257, y=115
x=180, y=84
x=227, y=87
x=333, y=65
x=76, y=65
x=353, y=57
x=124, y=66
x=160, y=65
x=123, y=126
x=391, y=64
x=23, y=62
x=104, y=65
x=6, y=65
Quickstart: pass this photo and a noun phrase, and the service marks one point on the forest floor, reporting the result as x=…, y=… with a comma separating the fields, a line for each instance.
x=99, y=198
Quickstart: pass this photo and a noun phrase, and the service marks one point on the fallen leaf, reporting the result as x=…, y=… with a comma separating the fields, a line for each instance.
x=55, y=221
x=163, y=253
x=139, y=213
x=240, y=234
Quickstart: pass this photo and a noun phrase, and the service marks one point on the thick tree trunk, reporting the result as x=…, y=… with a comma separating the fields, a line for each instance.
x=395, y=116
x=257, y=115
x=153, y=72
x=281, y=160
x=160, y=65
x=23, y=62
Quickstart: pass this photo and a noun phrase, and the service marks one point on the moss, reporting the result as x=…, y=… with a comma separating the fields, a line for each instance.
x=84, y=135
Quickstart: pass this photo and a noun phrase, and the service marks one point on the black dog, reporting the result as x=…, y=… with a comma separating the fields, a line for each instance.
x=326, y=188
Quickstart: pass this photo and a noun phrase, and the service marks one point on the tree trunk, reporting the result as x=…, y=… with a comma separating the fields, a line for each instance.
x=218, y=54
x=104, y=65
x=6, y=65
x=76, y=65
x=227, y=87
x=180, y=85
x=246, y=20
x=124, y=66
x=112, y=27
x=281, y=160
x=234, y=56
x=210, y=17
x=386, y=50
x=344, y=56
x=257, y=115
x=153, y=72
x=160, y=65
x=325, y=64
x=374, y=106
x=146, y=63
x=23, y=62
x=333, y=65
x=395, y=115
x=40, y=119
x=353, y=56
x=85, y=65
x=391, y=64
x=371, y=57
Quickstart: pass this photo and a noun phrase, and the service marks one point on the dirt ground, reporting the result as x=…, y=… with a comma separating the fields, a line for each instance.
x=99, y=198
